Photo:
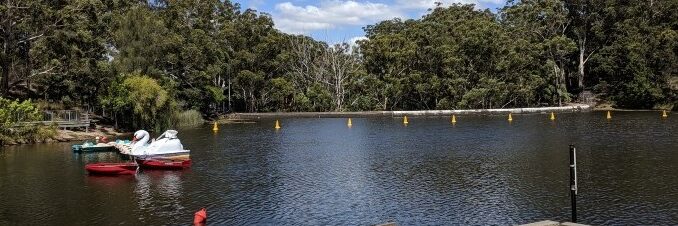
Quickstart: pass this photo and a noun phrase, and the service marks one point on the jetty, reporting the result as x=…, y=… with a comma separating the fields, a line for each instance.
x=123, y=148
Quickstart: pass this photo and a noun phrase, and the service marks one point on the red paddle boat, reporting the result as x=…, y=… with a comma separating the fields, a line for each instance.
x=162, y=164
x=112, y=169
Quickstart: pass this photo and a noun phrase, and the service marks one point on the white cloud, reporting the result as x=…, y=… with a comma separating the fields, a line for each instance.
x=330, y=14
x=355, y=39
x=427, y=4
x=334, y=15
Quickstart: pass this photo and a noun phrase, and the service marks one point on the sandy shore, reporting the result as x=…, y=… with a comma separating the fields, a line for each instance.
x=69, y=136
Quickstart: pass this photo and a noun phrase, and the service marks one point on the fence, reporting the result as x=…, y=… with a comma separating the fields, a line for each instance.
x=61, y=118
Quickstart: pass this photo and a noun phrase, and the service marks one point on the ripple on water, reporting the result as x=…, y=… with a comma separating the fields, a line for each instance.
x=481, y=171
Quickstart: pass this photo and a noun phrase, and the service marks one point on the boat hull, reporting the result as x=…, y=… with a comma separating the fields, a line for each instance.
x=80, y=148
x=164, y=164
x=111, y=169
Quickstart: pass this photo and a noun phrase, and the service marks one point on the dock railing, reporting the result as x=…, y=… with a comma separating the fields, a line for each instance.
x=63, y=119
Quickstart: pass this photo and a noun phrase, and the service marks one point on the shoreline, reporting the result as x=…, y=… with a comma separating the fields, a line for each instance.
x=424, y=113
x=71, y=136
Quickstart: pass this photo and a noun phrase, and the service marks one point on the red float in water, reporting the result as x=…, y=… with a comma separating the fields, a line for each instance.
x=112, y=169
x=200, y=217
x=164, y=164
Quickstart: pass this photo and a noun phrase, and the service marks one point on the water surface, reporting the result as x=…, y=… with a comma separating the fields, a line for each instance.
x=481, y=171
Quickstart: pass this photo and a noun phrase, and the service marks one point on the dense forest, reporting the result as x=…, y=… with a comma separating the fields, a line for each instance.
x=146, y=60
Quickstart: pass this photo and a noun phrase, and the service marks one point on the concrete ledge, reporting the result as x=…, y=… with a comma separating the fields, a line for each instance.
x=543, y=223
x=368, y=114
x=572, y=224
x=552, y=223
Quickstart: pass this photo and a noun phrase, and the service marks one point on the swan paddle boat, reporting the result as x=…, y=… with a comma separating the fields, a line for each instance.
x=111, y=169
x=166, y=152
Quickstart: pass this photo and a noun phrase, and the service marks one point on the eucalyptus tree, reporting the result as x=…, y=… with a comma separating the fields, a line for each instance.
x=197, y=51
x=544, y=23
x=388, y=55
x=314, y=63
x=638, y=62
x=589, y=31
x=38, y=38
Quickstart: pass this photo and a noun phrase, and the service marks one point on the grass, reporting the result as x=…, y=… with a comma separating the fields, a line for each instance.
x=188, y=118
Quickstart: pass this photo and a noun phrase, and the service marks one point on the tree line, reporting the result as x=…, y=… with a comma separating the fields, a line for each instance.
x=144, y=61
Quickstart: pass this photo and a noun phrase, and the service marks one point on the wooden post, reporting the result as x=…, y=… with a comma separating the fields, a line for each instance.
x=573, y=182
x=86, y=122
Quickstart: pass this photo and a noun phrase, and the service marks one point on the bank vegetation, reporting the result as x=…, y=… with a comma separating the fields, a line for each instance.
x=152, y=64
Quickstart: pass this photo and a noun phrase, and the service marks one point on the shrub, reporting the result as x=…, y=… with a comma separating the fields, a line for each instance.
x=187, y=118
x=13, y=126
x=141, y=103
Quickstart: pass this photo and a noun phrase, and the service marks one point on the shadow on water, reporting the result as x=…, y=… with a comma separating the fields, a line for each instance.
x=481, y=170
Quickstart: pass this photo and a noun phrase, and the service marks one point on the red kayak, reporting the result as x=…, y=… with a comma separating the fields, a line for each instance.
x=164, y=164
x=125, y=168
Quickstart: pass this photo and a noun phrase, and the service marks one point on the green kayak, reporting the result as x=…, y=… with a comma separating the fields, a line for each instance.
x=90, y=147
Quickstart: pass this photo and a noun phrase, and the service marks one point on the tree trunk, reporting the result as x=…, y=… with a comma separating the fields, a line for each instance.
x=4, y=62
x=385, y=103
x=582, y=61
x=5, y=77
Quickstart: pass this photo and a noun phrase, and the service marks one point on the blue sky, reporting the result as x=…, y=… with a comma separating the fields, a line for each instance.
x=335, y=21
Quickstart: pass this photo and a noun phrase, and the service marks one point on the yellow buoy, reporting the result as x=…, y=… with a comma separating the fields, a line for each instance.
x=405, y=120
x=609, y=115
x=664, y=115
x=215, y=127
x=510, y=117
x=454, y=119
x=349, y=122
x=277, y=124
x=553, y=116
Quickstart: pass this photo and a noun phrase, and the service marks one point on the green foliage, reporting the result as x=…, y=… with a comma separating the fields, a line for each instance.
x=187, y=118
x=145, y=61
x=142, y=100
x=281, y=92
x=13, y=114
x=320, y=98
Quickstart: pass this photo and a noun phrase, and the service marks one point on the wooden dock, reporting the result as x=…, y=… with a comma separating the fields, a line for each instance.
x=124, y=149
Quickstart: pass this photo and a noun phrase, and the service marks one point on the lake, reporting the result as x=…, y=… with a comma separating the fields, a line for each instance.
x=481, y=171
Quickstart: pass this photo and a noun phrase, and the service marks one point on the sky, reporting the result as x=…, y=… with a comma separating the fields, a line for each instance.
x=335, y=21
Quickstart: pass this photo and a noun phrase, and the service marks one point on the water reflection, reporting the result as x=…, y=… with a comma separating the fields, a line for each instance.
x=110, y=183
x=481, y=170
x=160, y=192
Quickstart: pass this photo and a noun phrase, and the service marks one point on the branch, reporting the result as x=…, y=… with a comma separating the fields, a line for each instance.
x=589, y=56
x=40, y=73
x=507, y=103
x=31, y=76
x=31, y=38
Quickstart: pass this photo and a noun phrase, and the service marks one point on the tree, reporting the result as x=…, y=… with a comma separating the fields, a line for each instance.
x=588, y=30
x=639, y=59
x=544, y=23
x=140, y=97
